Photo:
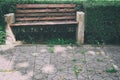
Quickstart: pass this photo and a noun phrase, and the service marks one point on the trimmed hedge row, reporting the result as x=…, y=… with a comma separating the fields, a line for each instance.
x=102, y=23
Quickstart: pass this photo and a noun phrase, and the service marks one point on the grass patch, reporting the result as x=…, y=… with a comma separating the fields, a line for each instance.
x=99, y=60
x=111, y=70
x=83, y=51
x=76, y=70
x=51, y=49
x=60, y=41
x=74, y=60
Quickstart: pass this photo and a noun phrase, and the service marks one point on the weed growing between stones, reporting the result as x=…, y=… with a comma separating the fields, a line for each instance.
x=60, y=69
x=51, y=49
x=31, y=39
x=76, y=70
x=99, y=60
x=111, y=70
x=84, y=59
x=60, y=41
x=74, y=60
x=83, y=51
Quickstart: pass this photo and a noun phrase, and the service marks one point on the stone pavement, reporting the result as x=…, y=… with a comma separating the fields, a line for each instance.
x=42, y=62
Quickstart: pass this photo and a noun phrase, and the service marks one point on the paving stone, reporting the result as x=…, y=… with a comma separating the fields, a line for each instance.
x=39, y=75
x=59, y=49
x=43, y=59
x=42, y=49
x=114, y=53
x=95, y=77
x=23, y=66
x=35, y=62
x=26, y=49
x=5, y=64
x=64, y=76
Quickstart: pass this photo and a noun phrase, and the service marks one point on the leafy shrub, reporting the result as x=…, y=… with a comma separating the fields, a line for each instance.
x=102, y=23
x=2, y=36
x=60, y=41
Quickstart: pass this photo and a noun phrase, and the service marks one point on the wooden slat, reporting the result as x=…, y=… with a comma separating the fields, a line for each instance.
x=45, y=14
x=45, y=10
x=43, y=23
x=45, y=5
x=45, y=18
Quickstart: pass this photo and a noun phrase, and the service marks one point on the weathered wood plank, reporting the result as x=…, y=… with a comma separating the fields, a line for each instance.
x=45, y=18
x=45, y=10
x=44, y=14
x=43, y=23
x=45, y=5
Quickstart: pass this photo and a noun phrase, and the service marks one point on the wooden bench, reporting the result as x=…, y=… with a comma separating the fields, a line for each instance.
x=47, y=14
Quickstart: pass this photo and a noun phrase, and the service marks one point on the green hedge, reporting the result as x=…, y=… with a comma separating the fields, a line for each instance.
x=2, y=35
x=102, y=23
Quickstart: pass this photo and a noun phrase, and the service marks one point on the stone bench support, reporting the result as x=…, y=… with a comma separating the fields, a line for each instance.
x=80, y=17
x=10, y=38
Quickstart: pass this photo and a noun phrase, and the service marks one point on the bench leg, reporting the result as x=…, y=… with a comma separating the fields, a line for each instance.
x=80, y=28
x=10, y=38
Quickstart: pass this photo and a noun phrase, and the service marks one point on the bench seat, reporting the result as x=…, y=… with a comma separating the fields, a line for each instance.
x=42, y=23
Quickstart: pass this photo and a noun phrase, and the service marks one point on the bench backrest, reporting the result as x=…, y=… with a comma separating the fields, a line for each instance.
x=45, y=12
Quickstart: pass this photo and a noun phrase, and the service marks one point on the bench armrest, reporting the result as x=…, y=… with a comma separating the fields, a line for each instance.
x=10, y=18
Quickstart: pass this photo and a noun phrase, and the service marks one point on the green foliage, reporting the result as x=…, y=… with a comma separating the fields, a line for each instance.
x=60, y=41
x=51, y=49
x=111, y=70
x=2, y=36
x=74, y=60
x=83, y=51
x=102, y=23
x=31, y=39
x=84, y=60
x=99, y=60
x=76, y=70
